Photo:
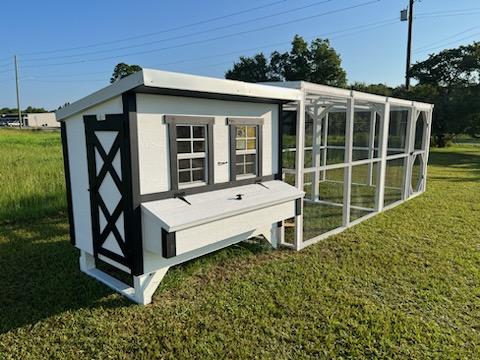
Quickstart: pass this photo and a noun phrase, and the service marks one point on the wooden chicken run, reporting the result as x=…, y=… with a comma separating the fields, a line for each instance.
x=164, y=167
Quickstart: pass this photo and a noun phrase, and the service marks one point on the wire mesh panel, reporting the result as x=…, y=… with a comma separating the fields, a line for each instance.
x=356, y=157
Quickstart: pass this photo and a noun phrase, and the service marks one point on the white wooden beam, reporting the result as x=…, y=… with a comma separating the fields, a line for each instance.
x=299, y=164
x=383, y=145
x=347, y=179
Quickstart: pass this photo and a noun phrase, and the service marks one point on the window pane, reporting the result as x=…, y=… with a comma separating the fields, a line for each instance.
x=198, y=132
x=241, y=131
x=240, y=159
x=250, y=169
x=251, y=131
x=199, y=146
x=198, y=163
x=241, y=145
x=251, y=144
x=184, y=176
x=240, y=169
x=184, y=147
x=183, y=132
x=250, y=158
x=184, y=164
x=198, y=175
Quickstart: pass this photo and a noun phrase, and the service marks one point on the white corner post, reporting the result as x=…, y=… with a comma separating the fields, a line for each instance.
x=426, y=146
x=347, y=182
x=317, y=141
x=409, y=146
x=299, y=165
x=371, y=146
x=383, y=145
x=325, y=145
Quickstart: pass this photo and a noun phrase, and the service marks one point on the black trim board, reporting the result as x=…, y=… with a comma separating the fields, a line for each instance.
x=131, y=160
x=280, y=143
x=169, y=244
x=68, y=185
x=298, y=206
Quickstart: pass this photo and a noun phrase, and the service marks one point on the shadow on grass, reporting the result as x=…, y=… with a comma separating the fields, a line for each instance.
x=456, y=159
x=40, y=276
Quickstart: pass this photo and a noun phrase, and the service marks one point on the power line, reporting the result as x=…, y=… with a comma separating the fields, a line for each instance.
x=448, y=11
x=201, y=22
x=447, y=15
x=451, y=42
x=370, y=27
x=342, y=33
x=210, y=39
x=447, y=38
x=228, y=26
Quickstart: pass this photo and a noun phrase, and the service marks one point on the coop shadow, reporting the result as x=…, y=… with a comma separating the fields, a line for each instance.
x=456, y=160
x=40, y=276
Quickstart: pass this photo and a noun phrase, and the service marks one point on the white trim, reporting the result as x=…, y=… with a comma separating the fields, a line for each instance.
x=178, y=81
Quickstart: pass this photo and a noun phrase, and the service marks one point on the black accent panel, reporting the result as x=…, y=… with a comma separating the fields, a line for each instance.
x=169, y=244
x=298, y=206
x=127, y=183
x=68, y=186
x=232, y=130
x=280, y=143
x=131, y=163
x=260, y=150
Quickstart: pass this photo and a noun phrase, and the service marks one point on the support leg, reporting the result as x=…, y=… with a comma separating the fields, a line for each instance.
x=145, y=285
x=87, y=261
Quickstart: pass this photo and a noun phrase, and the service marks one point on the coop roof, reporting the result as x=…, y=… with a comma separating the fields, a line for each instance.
x=170, y=83
x=315, y=91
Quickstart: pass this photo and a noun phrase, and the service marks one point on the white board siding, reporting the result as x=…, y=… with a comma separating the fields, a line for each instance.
x=154, y=143
x=243, y=225
x=77, y=156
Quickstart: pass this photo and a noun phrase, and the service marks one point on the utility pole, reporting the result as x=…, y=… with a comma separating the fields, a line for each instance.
x=18, y=92
x=409, y=44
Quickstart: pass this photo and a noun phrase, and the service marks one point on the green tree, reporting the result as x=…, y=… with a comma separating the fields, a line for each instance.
x=317, y=62
x=451, y=80
x=459, y=67
x=122, y=70
x=251, y=69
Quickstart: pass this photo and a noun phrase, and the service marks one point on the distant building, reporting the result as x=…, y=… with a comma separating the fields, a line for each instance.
x=32, y=120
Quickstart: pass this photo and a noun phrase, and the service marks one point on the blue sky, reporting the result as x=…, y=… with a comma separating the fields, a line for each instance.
x=61, y=57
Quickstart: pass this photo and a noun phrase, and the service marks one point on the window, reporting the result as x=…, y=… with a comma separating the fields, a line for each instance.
x=191, y=150
x=245, y=148
x=191, y=154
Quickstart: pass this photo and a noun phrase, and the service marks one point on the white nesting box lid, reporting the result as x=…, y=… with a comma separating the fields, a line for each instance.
x=176, y=214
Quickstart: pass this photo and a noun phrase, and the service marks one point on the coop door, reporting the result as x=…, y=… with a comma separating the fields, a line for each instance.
x=109, y=189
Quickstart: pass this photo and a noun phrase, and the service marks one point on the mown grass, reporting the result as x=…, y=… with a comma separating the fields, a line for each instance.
x=404, y=284
x=31, y=175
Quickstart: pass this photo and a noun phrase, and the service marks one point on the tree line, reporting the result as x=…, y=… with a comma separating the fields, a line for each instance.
x=450, y=79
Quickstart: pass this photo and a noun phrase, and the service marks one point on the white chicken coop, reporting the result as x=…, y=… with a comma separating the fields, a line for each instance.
x=164, y=167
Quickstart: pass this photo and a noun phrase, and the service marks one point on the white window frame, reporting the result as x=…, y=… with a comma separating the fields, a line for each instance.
x=190, y=120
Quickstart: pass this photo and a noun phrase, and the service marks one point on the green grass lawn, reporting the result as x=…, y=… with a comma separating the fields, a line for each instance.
x=404, y=284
